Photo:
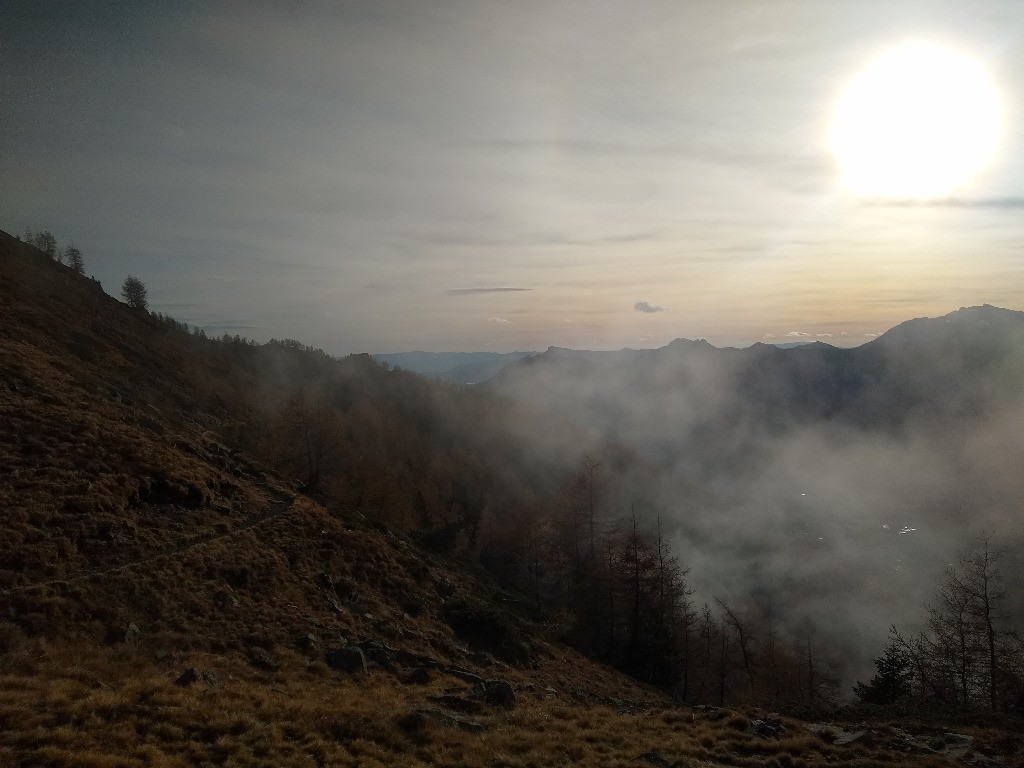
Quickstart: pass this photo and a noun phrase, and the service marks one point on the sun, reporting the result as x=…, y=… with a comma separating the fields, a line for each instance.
x=916, y=123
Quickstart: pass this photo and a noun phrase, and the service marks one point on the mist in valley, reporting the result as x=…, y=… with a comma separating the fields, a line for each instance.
x=830, y=487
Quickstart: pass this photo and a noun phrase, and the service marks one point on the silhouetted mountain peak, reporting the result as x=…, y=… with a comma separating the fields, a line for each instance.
x=682, y=343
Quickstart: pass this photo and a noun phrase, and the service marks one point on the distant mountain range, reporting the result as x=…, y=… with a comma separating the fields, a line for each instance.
x=939, y=370
x=844, y=476
x=457, y=367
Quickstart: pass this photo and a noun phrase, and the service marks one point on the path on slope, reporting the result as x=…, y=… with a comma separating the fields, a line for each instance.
x=275, y=510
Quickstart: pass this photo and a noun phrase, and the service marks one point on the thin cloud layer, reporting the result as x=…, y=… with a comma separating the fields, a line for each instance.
x=470, y=291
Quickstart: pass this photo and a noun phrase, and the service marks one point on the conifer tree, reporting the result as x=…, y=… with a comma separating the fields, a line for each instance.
x=73, y=258
x=134, y=293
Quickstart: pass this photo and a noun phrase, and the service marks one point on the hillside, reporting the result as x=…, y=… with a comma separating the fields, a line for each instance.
x=176, y=589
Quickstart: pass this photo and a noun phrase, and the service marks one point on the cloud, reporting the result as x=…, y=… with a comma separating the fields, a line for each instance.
x=797, y=334
x=951, y=202
x=823, y=335
x=498, y=320
x=872, y=335
x=468, y=291
x=643, y=306
x=768, y=336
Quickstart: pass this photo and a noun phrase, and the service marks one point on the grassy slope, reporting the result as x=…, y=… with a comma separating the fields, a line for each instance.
x=134, y=545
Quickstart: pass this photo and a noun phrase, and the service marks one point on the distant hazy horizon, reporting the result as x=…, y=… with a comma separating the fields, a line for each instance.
x=466, y=176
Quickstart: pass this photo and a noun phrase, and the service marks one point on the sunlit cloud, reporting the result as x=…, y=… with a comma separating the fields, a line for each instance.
x=797, y=334
x=498, y=320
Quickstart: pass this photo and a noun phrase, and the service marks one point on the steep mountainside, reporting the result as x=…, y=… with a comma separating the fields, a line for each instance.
x=169, y=598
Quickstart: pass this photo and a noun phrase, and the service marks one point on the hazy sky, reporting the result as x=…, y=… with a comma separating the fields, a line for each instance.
x=385, y=176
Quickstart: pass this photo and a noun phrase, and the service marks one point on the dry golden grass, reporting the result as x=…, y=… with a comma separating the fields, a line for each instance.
x=98, y=706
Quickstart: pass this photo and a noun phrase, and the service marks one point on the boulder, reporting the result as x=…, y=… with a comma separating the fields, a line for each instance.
x=188, y=677
x=133, y=634
x=193, y=675
x=346, y=659
x=767, y=728
x=419, y=676
x=498, y=693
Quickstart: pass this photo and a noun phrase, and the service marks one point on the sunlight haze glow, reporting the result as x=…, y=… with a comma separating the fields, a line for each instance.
x=394, y=175
x=917, y=122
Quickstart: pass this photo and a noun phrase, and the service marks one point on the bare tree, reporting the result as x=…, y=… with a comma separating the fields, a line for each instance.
x=743, y=637
x=310, y=435
x=977, y=586
x=966, y=655
x=44, y=241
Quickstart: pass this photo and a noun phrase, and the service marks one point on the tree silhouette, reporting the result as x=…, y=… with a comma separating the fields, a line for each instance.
x=892, y=681
x=73, y=258
x=44, y=241
x=134, y=292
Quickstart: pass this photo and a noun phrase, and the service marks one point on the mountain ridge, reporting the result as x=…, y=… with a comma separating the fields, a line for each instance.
x=178, y=590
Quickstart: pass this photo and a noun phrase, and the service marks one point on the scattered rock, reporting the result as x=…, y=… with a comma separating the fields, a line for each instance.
x=188, y=677
x=767, y=728
x=379, y=654
x=915, y=745
x=225, y=599
x=348, y=659
x=305, y=642
x=498, y=693
x=461, y=673
x=133, y=634
x=956, y=744
x=419, y=676
x=263, y=661
x=864, y=738
x=708, y=712
x=459, y=703
x=416, y=720
x=153, y=426
x=412, y=605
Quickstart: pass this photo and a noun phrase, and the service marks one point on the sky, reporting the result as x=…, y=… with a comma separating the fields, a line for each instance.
x=441, y=175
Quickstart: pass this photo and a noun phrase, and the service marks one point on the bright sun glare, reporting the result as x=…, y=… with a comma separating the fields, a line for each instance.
x=917, y=123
